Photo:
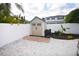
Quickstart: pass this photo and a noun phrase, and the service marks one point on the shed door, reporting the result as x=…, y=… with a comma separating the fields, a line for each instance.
x=37, y=29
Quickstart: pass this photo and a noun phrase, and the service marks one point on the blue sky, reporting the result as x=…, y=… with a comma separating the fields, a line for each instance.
x=47, y=6
x=44, y=8
x=68, y=6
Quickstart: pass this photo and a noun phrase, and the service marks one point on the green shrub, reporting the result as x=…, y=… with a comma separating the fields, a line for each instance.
x=58, y=33
x=70, y=37
x=13, y=19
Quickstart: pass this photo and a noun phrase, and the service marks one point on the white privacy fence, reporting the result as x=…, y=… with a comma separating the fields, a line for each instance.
x=10, y=33
x=70, y=28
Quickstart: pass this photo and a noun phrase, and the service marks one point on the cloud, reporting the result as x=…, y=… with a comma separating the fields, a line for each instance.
x=45, y=8
x=66, y=8
x=60, y=8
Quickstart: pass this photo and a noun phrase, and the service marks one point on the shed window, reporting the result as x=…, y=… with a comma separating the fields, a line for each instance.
x=39, y=24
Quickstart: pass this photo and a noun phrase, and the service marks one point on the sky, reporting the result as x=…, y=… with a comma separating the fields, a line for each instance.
x=44, y=8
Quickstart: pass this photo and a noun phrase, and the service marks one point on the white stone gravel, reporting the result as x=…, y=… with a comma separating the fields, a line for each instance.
x=55, y=47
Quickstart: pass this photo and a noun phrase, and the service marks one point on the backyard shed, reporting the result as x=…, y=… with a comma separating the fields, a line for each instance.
x=38, y=26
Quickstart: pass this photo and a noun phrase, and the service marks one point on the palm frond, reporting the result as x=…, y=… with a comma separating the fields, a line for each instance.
x=19, y=7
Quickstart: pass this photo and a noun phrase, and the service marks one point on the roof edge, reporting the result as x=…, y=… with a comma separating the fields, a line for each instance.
x=36, y=17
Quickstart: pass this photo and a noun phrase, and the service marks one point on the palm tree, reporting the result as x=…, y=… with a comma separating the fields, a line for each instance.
x=5, y=8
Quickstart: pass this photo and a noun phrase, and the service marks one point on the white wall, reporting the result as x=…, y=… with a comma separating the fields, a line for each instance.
x=10, y=33
x=74, y=28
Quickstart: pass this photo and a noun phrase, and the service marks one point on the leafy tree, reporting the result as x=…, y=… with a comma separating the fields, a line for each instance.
x=5, y=9
x=5, y=13
x=72, y=17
